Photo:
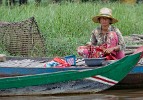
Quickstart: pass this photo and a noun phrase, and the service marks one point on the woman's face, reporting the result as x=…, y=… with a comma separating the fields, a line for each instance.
x=104, y=21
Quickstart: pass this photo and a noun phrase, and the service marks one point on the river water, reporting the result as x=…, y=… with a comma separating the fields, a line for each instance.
x=134, y=94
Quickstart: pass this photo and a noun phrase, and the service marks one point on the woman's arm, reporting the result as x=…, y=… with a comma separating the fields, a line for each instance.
x=120, y=45
x=109, y=50
x=117, y=48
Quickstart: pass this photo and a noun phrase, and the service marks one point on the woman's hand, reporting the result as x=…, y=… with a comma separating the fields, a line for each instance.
x=108, y=50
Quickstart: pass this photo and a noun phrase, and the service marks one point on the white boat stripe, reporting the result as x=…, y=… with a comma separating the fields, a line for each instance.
x=93, y=79
x=106, y=78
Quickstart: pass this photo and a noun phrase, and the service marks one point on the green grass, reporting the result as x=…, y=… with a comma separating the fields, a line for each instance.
x=68, y=25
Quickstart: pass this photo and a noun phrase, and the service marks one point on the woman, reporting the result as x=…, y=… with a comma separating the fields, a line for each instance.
x=106, y=40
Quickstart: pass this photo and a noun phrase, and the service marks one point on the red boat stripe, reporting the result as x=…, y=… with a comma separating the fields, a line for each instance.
x=105, y=80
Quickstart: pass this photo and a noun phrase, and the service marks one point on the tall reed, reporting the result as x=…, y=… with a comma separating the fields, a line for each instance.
x=68, y=25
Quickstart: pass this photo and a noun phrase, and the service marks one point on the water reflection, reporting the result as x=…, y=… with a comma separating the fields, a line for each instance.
x=135, y=94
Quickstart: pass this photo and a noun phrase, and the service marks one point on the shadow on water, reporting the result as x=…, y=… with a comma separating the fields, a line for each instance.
x=127, y=94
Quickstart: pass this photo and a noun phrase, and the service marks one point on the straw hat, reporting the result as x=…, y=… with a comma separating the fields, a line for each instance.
x=104, y=12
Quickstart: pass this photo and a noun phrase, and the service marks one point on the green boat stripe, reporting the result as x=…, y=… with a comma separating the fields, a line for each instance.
x=115, y=71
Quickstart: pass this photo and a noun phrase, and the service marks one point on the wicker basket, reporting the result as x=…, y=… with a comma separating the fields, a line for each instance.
x=22, y=38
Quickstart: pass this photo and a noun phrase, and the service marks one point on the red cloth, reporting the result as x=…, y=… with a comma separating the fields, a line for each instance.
x=62, y=62
x=97, y=52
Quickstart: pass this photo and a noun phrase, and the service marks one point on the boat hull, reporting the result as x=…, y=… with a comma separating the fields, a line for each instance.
x=64, y=80
x=79, y=86
x=133, y=80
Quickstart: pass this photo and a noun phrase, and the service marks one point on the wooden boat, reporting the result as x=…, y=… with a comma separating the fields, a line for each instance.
x=133, y=80
x=37, y=81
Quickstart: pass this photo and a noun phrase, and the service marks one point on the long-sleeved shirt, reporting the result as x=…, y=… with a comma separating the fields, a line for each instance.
x=97, y=38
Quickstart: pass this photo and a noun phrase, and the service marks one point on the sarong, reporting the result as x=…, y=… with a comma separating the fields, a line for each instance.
x=90, y=51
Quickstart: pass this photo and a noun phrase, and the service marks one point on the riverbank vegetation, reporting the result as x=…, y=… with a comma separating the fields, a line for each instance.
x=65, y=26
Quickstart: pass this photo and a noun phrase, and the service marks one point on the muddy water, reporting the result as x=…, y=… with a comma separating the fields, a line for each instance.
x=134, y=94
